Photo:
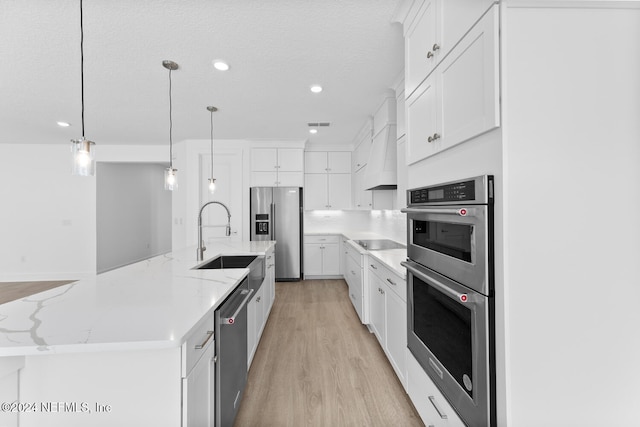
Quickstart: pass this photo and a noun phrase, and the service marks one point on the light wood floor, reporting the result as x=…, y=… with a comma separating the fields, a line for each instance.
x=317, y=365
x=10, y=291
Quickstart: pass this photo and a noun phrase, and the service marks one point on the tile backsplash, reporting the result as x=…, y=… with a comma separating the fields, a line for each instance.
x=391, y=224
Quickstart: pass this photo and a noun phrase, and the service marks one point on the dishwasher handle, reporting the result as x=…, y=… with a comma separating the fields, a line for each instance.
x=232, y=319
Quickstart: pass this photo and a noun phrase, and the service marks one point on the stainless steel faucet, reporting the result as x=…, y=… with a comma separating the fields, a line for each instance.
x=201, y=247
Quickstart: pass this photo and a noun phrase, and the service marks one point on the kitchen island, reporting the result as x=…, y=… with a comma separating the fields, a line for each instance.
x=110, y=350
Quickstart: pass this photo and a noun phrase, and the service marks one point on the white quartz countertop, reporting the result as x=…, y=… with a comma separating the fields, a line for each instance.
x=146, y=305
x=392, y=259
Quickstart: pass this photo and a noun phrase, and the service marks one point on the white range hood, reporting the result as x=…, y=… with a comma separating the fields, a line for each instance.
x=381, y=172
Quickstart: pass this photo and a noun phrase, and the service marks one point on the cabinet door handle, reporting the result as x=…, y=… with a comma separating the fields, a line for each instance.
x=432, y=399
x=353, y=272
x=429, y=54
x=373, y=266
x=435, y=47
x=391, y=281
x=433, y=138
x=206, y=340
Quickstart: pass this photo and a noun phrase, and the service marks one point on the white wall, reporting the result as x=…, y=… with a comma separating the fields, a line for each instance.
x=47, y=215
x=572, y=197
x=133, y=213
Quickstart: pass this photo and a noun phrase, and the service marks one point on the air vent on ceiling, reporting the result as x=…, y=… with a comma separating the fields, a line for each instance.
x=319, y=124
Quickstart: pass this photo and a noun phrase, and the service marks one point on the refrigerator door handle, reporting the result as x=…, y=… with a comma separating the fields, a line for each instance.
x=272, y=220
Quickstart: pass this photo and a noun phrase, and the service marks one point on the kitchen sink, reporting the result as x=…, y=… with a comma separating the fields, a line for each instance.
x=228, y=261
x=255, y=264
x=380, y=244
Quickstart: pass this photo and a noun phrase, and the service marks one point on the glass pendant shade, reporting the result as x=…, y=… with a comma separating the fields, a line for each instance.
x=212, y=180
x=170, y=179
x=83, y=157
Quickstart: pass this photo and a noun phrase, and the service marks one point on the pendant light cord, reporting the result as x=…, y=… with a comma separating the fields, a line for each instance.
x=170, y=125
x=82, y=67
x=212, y=145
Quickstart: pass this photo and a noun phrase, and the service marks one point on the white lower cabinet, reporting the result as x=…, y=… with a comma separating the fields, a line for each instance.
x=377, y=312
x=259, y=307
x=198, y=391
x=255, y=322
x=433, y=408
x=355, y=278
x=9, y=387
x=198, y=376
x=321, y=256
x=388, y=315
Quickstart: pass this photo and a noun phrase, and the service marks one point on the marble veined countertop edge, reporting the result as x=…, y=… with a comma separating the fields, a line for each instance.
x=150, y=304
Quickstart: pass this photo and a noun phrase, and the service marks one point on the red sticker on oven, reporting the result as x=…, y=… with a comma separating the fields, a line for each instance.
x=463, y=298
x=462, y=212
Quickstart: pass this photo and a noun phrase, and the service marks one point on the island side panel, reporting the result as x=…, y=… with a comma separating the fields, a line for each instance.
x=123, y=388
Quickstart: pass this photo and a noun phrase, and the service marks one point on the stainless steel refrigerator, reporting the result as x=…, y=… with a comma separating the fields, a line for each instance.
x=276, y=214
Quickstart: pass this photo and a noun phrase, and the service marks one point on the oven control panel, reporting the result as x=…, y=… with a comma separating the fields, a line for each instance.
x=473, y=190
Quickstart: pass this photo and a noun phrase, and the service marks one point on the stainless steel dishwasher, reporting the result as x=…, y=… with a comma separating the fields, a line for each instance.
x=231, y=350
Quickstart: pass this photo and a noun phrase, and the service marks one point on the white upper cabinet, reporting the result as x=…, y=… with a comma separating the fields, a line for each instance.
x=362, y=199
x=327, y=162
x=277, y=167
x=327, y=180
x=264, y=159
x=437, y=27
x=362, y=144
x=327, y=191
x=339, y=162
x=315, y=162
x=460, y=99
x=290, y=160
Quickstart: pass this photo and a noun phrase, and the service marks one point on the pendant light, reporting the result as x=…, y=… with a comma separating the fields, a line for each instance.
x=170, y=174
x=82, y=150
x=212, y=180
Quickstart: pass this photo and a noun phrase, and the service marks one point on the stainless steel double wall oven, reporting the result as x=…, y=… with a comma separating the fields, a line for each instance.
x=450, y=295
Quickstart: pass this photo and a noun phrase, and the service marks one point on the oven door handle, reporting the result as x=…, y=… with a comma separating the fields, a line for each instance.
x=446, y=211
x=419, y=271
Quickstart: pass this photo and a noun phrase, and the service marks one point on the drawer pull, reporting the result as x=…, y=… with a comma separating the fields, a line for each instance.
x=429, y=54
x=373, y=266
x=442, y=415
x=391, y=281
x=435, y=47
x=201, y=346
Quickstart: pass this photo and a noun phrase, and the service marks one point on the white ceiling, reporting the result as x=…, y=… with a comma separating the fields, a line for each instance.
x=276, y=49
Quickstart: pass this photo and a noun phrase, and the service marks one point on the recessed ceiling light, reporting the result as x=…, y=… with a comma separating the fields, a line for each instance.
x=316, y=88
x=313, y=130
x=219, y=64
x=64, y=124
